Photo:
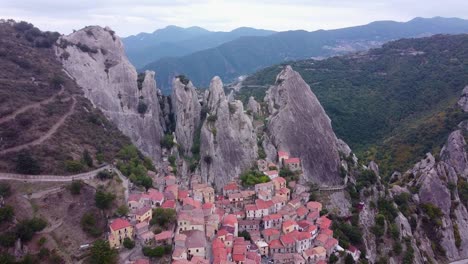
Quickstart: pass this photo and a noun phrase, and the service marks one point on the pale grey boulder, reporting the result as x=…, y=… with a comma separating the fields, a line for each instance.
x=228, y=140
x=298, y=124
x=95, y=58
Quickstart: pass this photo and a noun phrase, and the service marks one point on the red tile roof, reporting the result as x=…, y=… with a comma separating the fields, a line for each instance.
x=304, y=236
x=289, y=238
x=207, y=205
x=301, y=211
x=134, y=197
x=289, y=223
x=262, y=204
x=230, y=220
x=279, y=180
x=282, y=153
x=250, y=207
x=327, y=232
x=292, y=160
x=182, y=194
x=155, y=195
x=330, y=243
x=270, y=232
x=271, y=217
x=119, y=223
x=169, y=204
x=232, y=186
x=276, y=244
x=165, y=235
x=143, y=210
x=314, y=206
x=271, y=172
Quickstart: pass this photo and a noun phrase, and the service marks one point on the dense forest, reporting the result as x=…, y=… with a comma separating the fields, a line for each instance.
x=392, y=104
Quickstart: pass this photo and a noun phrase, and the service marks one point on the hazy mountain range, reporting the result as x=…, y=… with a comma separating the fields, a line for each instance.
x=244, y=51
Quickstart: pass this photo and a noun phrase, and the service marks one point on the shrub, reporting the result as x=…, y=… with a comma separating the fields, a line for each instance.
x=5, y=189
x=25, y=229
x=183, y=79
x=140, y=80
x=26, y=164
x=394, y=231
x=163, y=217
x=57, y=81
x=245, y=234
x=104, y=175
x=122, y=210
x=75, y=187
x=89, y=224
x=6, y=213
x=253, y=177
x=128, y=243
x=87, y=158
x=349, y=259
x=7, y=240
x=212, y=118
x=103, y=199
x=167, y=141
x=102, y=253
x=142, y=107
x=397, y=248
x=73, y=166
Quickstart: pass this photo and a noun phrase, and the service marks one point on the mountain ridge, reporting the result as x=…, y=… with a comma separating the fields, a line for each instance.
x=247, y=54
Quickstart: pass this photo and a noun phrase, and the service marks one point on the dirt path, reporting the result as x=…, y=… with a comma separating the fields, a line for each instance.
x=27, y=107
x=51, y=178
x=47, y=135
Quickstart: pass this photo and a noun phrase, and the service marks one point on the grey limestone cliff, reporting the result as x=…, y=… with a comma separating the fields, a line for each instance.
x=186, y=110
x=228, y=140
x=298, y=124
x=95, y=58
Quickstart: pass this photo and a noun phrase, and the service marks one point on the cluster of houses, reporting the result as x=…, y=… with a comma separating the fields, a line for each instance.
x=238, y=226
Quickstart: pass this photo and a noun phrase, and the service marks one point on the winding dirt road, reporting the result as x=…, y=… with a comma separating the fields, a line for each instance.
x=47, y=135
x=31, y=106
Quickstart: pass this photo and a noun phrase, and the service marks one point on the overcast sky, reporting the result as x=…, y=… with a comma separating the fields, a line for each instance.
x=128, y=17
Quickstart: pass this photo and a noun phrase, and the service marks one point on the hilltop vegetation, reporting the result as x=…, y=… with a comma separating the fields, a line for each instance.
x=392, y=104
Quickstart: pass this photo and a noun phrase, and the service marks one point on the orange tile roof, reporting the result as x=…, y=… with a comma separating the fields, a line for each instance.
x=289, y=238
x=119, y=223
x=331, y=243
x=301, y=211
x=232, y=186
x=165, y=235
x=169, y=204
x=270, y=232
x=314, y=206
x=271, y=217
x=262, y=204
x=289, y=223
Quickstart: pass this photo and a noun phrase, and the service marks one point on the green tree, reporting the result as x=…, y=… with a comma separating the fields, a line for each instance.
x=25, y=229
x=163, y=217
x=6, y=213
x=73, y=166
x=7, y=239
x=5, y=189
x=104, y=199
x=349, y=259
x=102, y=253
x=245, y=235
x=89, y=224
x=75, y=187
x=26, y=164
x=122, y=210
x=128, y=243
x=87, y=159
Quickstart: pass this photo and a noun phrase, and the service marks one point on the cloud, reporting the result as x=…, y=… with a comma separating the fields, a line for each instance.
x=130, y=17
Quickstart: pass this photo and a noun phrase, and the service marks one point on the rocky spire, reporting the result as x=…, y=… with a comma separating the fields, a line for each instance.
x=95, y=58
x=228, y=141
x=299, y=124
x=186, y=109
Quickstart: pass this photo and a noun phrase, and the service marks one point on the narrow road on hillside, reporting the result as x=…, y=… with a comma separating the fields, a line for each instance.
x=30, y=106
x=52, y=178
x=47, y=135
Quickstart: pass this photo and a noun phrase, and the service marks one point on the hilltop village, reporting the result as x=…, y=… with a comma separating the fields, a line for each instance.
x=264, y=223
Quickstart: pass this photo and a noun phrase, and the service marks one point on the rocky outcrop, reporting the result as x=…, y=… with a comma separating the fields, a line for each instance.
x=454, y=154
x=463, y=101
x=186, y=110
x=95, y=58
x=228, y=141
x=253, y=106
x=299, y=124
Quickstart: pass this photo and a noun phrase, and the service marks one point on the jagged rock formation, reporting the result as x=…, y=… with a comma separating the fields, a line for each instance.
x=186, y=109
x=253, y=106
x=299, y=124
x=228, y=140
x=463, y=101
x=95, y=58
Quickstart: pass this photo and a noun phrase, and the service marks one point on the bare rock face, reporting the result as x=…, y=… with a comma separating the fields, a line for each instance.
x=253, y=106
x=463, y=101
x=299, y=124
x=95, y=58
x=228, y=140
x=186, y=109
x=454, y=154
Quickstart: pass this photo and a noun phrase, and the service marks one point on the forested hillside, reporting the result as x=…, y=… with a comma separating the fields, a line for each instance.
x=393, y=103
